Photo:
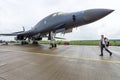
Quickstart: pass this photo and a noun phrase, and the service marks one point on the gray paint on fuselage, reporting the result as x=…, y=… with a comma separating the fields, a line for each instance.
x=49, y=23
x=54, y=22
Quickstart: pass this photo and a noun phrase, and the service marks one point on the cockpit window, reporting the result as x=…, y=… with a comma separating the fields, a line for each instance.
x=56, y=14
x=59, y=13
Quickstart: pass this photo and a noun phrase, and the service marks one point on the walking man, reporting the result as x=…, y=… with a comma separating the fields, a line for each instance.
x=103, y=45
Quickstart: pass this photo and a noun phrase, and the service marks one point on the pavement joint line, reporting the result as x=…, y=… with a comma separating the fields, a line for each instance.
x=70, y=57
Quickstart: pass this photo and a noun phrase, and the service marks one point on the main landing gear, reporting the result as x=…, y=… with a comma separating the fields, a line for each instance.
x=35, y=42
x=53, y=45
x=24, y=42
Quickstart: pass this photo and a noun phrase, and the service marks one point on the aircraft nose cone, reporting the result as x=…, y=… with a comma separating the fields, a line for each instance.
x=95, y=14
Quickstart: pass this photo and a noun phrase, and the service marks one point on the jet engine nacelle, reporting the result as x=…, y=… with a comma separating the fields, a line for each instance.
x=37, y=37
x=19, y=38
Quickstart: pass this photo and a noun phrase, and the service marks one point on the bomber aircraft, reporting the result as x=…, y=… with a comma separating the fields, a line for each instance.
x=59, y=23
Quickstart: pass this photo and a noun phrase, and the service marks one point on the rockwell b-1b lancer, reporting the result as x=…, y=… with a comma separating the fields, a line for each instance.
x=59, y=23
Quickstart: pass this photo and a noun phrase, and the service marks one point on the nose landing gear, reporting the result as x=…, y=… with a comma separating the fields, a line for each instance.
x=52, y=40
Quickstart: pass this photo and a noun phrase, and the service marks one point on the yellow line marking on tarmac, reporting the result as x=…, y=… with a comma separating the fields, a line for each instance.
x=70, y=57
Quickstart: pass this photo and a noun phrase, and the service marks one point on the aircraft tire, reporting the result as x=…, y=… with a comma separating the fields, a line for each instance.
x=24, y=42
x=55, y=45
x=35, y=42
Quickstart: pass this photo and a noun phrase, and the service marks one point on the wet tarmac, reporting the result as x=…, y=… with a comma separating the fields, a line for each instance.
x=67, y=62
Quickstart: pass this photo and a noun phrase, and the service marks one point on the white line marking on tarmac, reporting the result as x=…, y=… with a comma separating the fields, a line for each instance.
x=2, y=64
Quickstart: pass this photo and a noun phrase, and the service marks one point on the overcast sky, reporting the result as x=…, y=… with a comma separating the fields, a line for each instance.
x=17, y=13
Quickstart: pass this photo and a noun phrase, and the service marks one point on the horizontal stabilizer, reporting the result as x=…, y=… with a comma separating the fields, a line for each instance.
x=8, y=34
x=12, y=34
x=19, y=32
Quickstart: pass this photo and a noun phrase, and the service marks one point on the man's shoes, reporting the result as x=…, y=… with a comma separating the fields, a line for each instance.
x=101, y=55
x=110, y=54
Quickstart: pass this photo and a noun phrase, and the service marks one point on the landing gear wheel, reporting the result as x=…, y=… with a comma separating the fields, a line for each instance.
x=52, y=45
x=55, y=45
x=51, y=37
x=35, y=42
x=24, y=42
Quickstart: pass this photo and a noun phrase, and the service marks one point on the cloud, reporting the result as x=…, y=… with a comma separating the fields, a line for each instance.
x=17, y=13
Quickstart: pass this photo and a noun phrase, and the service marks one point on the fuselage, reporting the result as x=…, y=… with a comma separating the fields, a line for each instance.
x=58, y=20
x=52, y=22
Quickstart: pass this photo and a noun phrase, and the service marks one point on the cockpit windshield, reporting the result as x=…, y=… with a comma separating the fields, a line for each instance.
x=57, y=13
